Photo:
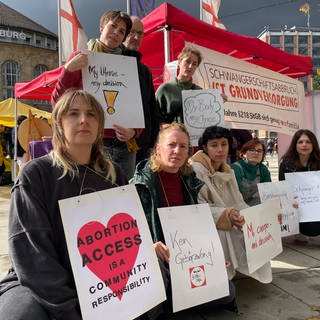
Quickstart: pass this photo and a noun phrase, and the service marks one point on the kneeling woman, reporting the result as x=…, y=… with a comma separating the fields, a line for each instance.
x=168, y=180
x=225, y=199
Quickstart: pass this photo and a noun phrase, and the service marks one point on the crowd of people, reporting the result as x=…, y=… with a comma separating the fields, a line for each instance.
x=158, y=160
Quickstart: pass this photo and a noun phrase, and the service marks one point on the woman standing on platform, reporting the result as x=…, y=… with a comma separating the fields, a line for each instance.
x=302, y=155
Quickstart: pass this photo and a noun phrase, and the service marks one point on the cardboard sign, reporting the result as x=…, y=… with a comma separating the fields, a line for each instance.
x=112, y=254
x=201, y=109
x=283, y=191
x=197, y=264
x=262, y=233
x=307, y=187
x=114, y=81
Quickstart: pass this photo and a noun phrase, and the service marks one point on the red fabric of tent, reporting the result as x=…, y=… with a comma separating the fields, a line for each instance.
x=39, y=88
x=183, y=27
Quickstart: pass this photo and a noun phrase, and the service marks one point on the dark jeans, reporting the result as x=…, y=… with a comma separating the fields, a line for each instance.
x=311, y=229
x=118, y=153
x=17, y=303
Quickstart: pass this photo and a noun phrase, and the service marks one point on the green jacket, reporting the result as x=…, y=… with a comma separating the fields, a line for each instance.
x=169, y=99
x=149, y=189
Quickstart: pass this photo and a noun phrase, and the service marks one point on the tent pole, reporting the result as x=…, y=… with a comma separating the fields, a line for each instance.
x=15, y=140
x=166, y=31
x=59, y=35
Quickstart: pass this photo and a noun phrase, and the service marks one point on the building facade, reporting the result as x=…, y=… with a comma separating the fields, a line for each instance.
x=26, y=50
x=296, y=40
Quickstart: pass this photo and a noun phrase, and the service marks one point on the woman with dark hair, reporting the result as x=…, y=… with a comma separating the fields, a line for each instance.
x=302, y=155
x=222, y=193
x=250, y=170
x=119, y=143
x=40, y=285
x=168, y=180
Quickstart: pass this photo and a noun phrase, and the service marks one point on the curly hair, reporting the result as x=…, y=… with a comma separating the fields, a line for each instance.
x=292, y=154
x=155, y=160
x=60, y=155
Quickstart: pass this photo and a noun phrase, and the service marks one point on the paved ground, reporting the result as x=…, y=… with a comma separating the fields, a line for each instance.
x=294, y=293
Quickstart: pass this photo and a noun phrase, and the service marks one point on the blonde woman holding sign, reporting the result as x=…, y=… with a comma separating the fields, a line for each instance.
x=40, y=285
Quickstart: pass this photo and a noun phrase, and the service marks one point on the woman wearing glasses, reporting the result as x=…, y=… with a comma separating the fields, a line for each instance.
x=250, y=170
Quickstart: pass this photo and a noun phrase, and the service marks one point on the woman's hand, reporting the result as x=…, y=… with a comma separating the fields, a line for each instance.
x=237, y=219
x=78, y=62
x=123, y=134
x=162, y=251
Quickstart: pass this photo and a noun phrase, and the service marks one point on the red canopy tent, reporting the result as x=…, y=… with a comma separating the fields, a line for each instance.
x=167, y=24
x=39, y=88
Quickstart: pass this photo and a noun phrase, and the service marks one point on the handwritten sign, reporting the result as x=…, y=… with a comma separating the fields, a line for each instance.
x=201, y=109
x=283, y=191
x=307, y=187
x=197, y=264
x=262, y=233
x=112, y=255
x=114, y=81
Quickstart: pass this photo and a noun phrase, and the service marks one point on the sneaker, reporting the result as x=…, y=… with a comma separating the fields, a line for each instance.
x=301, y=238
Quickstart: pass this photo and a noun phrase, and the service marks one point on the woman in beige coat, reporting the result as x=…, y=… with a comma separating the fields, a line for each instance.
x=225, y=199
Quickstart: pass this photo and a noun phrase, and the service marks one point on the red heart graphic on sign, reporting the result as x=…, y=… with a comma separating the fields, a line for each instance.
x=110, y=252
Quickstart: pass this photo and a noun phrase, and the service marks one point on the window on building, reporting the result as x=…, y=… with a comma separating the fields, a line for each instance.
x=288, y=40
x=316, y=51
x=289, y=49
x=316, y=40
x=303, y=50
x=39, y=69
x=303, y=40
x=316, y=63
x=275, y=40
x=10, y=75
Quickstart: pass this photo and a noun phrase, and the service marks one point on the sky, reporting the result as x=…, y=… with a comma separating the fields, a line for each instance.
x=247, y=17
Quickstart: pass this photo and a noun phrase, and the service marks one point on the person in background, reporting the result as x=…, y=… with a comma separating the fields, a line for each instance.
x=250, y=170
x=149, y=135
x=120, y=143
x=168, y=180
x=168, y=95
x=40, y=285
x=303, y=154
x=225, y=199
x=21, y=153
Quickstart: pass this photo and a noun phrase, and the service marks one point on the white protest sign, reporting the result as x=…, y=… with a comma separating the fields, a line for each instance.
x=112, y=255
x=283, y=191
x=262, y=233
x=114, y=81
x=307, y=187
x=197, y=264
x=201, y=109
x=258, y=98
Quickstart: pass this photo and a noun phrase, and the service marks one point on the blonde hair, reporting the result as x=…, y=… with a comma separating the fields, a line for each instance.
x=155, y=160
x=187, y=51
x=60, y=155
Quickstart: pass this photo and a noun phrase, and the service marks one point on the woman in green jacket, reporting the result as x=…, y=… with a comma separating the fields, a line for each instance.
x=250, y=170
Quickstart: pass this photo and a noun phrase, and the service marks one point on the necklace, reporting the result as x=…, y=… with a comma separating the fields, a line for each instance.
x=82, y=188
x=163, y=191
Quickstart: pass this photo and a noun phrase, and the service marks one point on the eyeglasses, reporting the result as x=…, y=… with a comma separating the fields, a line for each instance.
x=134, y=33
x=255, y=150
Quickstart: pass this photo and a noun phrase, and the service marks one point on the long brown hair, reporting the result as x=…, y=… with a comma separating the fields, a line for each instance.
x=293, y=156
x=60, y=154
x=155, y=160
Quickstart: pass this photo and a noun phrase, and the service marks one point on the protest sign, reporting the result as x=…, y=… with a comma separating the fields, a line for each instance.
x=201, y=109
x=283, y=191
x=261, y=233
x=197, y=265
x=112, y=255
x=114, y=81
x=258, y=98
x=306, y=185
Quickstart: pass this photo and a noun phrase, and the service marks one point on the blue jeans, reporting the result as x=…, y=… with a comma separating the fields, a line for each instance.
x=118, y=153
